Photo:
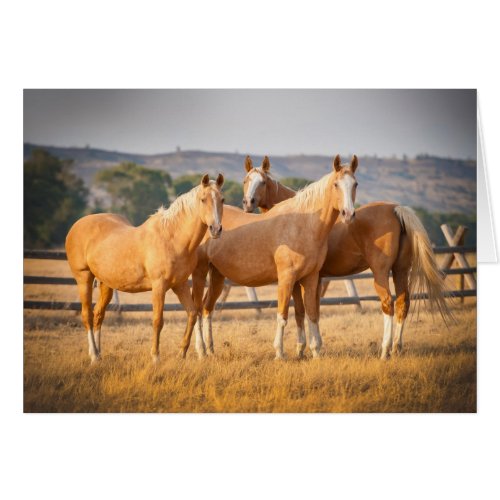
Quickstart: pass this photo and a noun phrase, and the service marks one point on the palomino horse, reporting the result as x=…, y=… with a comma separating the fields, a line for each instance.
x=383, y=237
x=158, y=255
x=288, y=244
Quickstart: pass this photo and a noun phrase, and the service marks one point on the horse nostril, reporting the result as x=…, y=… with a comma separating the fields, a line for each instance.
x=220, y=229
x=353, y=215
x=343, y=212
x=252, y=200
x=211, y=228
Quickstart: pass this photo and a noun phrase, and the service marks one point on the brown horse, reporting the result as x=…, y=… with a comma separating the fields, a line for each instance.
x=288, y=244
x=158, y=255
x=383, y=237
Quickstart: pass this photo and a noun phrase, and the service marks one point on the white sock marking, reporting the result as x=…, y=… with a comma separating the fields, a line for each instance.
x=387, y=338
x=398, y=336
x=207, y=332
x=301, y=341
x=315, y=341
x=278, y=340
x=93, y=353
x=200, y=344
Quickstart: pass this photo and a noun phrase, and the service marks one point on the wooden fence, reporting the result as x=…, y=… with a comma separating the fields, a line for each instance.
x=455, y=254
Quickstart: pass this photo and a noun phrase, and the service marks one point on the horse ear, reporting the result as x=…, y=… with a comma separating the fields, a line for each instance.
x=354, y=163
x=336, y=164
x=220, y=180
x=205, y=180
x=248, y=164
x=266, y=165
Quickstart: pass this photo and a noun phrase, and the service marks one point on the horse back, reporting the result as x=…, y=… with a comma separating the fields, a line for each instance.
x=96, y=234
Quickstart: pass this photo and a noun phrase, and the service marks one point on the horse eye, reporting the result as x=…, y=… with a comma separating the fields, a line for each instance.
x=203, y=200
x=223, y=200
x=356, y=185
x=336, y=185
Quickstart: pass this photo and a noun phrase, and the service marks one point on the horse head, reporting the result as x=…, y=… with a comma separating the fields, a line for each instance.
x=210, y=202
x=254, y=185
x=345, y=185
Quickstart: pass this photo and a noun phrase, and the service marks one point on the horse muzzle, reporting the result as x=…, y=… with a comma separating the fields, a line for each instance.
x=248, y=205
x=215, y=230
x=348, y=215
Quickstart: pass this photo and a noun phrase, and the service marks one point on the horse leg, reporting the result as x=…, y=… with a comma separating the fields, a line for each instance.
x=286, y=282
x=400, y=273
x=215, y=287
x=159, y=289
x=184, y=295
x=85, y=281
x=106, y=294
x=300, y=313
x=381, y=283
x=311, y=289
x=324, y=284
x=199, y=279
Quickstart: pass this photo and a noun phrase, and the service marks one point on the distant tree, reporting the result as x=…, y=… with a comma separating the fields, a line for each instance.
x=295, y=183
x=54, y=198
x=233, y=193
x=135, y=191
x=185, y=183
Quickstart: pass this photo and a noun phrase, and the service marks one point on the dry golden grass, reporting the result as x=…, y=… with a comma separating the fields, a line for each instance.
x=436, y=373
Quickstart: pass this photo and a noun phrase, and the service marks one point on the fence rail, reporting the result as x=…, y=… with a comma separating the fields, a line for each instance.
x=58, y=255
x=50, y=280
x=260, y=304
x=251, y=304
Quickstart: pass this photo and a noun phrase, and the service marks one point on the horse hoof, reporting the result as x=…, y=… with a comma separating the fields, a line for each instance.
x=155, y=359
x=182, y=354
x=300, y=351
x=396, y=351
x=279, y=357
x=385, y=356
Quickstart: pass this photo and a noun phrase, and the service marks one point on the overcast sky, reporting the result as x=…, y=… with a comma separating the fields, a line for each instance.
x=274, y=122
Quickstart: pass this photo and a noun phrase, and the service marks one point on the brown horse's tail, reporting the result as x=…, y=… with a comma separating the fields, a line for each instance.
x=425, y=276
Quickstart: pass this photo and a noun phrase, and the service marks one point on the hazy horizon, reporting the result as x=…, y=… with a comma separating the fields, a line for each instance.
x=384, y=123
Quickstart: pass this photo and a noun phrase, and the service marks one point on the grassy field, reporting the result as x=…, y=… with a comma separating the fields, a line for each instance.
x=435, y=373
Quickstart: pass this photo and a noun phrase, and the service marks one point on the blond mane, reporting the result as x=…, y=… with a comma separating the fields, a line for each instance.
x=307, y=198
x=186, y=203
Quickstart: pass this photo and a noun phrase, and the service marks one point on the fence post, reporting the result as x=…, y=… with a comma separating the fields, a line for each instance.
x=352, y=292
x=458, y=240
x=460, y=286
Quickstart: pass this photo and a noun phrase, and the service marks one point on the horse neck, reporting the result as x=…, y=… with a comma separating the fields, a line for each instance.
x=328, y=213
x=275, y=193
x=186, y=231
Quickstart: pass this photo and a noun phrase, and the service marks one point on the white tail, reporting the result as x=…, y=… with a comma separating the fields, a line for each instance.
x=425, y=275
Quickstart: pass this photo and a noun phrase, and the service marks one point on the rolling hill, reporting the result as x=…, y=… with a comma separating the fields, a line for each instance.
x=436, y=184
